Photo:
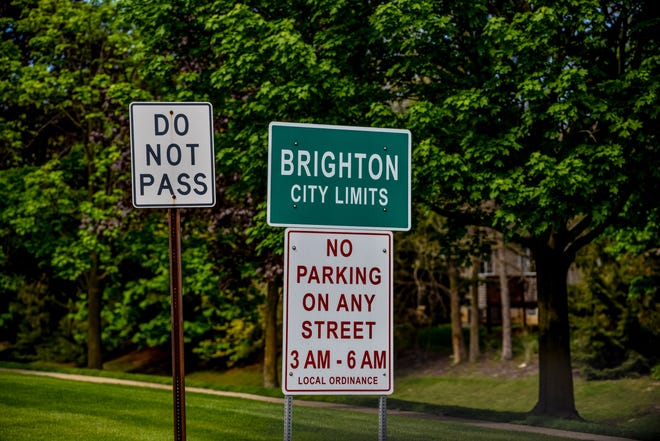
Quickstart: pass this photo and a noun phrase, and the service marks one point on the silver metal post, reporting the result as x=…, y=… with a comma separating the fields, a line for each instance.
x=382, y=418
x=288, y=417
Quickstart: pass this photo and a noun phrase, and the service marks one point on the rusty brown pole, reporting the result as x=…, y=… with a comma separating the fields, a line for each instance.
x=176, y=286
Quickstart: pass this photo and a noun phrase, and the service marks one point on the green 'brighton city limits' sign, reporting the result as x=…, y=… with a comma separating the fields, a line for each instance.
x=325, y=176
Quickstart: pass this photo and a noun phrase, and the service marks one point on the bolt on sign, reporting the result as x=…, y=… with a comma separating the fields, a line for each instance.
x=338, y=176
x=337, y=312
x=173, y=161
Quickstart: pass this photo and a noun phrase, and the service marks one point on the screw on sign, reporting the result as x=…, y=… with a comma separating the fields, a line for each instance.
x=337, y=312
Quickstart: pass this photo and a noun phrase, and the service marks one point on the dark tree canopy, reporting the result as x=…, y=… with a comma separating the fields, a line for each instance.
x=537, y=119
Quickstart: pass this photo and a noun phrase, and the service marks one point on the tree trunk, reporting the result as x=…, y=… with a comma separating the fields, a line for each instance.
x=556, y=394
x=458, y=343
x=94, y=294
x=270, y=343
x=505, y=298
x=474, y=311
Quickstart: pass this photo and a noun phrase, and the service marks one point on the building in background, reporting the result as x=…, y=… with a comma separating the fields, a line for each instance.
x=521, y=275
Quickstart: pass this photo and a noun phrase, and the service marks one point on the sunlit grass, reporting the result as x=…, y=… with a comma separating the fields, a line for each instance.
x=627, y=407
x=37, y=408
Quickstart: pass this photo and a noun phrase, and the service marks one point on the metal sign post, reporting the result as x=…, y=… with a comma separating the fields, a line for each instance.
x=337, y=316
x=288, y=418
x=176, y=286
x=338, y=293
x=382, y=418
x=173, y=166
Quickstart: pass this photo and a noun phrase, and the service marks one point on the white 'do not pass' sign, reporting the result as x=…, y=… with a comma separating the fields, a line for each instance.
x=172, y=155
x=337, y=312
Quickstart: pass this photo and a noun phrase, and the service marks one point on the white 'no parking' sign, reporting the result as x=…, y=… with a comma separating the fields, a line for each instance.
x=337, y=312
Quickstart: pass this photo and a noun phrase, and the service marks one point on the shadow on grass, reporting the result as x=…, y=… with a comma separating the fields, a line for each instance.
x=430, y=409
x=458, y=411
x=644, y=432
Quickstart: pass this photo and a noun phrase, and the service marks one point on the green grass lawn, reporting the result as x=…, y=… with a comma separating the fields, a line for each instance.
x=41, y=408
x=628, y=407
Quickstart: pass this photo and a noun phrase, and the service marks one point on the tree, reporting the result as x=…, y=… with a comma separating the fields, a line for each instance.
x=474, y=310
x=613, y=313
x=457, y=340
x=270, y=332
x=537, y=119
x=503, y=276
x=429, y=285
x=69, y=64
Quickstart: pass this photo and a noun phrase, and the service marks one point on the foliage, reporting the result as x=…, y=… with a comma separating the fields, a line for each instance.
x=514, y=112
x=67, y=61
x=616, y=327
x=256, y=62
x=537, y=119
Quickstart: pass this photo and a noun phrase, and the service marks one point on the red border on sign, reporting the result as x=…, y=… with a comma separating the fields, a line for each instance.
x=310, y=389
